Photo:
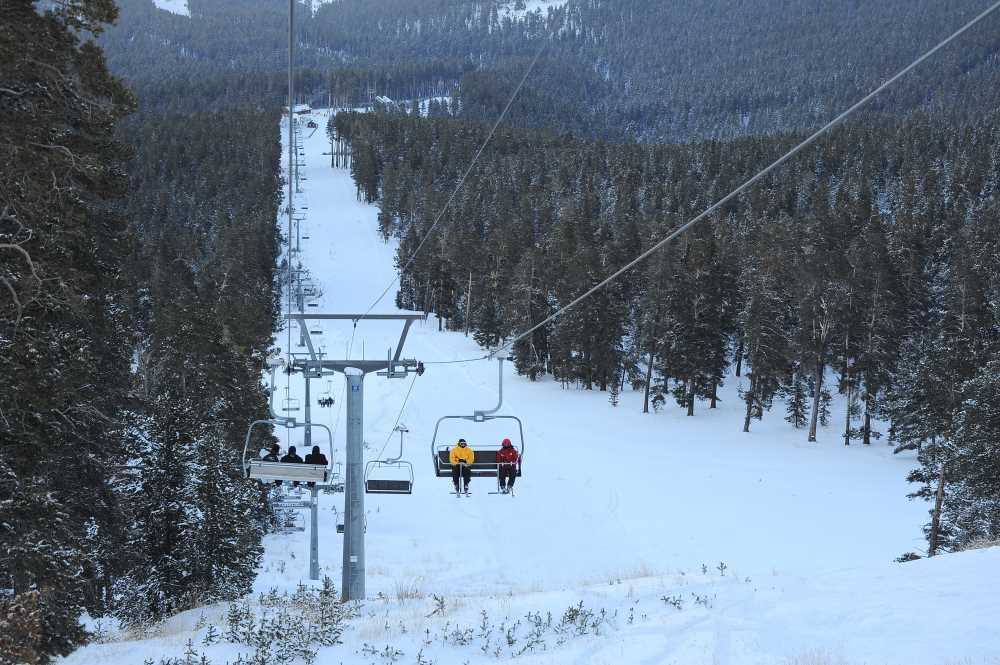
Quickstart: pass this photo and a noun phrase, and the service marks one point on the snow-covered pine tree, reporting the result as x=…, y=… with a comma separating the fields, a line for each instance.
x=880, y=317
x=696, y=327
x=767, y=321
x=820, y=299
x=197, y=523
x=796, y=394
x=971, y=506
x=529, y=353
x=157, y=583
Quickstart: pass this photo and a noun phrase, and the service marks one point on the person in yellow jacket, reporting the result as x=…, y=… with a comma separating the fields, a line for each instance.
x=458, y=455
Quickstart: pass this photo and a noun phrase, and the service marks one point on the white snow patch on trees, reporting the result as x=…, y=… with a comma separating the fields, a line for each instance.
x=179, y=7
x=518, y=9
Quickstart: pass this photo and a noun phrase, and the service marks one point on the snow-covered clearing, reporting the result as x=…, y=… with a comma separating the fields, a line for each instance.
x=700, y=544
x=174, y=6
x=314, y=5
x=542, y=6
x=425, y=104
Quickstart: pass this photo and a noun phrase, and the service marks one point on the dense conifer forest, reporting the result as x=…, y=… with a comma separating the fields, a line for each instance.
x=139, y=274
x=638, y=69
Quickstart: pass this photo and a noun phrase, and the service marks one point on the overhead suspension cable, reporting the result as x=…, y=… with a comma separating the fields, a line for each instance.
x=461, y=181
x=742, y=188
x=456, y=362
x=398, y=416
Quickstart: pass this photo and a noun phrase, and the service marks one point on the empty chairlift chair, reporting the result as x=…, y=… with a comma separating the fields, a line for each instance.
x=390, y=476
x=290, y=405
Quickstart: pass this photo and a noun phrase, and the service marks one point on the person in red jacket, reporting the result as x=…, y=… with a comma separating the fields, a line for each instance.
x=507, y=459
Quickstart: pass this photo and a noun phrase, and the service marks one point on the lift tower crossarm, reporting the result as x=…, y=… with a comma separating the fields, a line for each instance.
x=369, y=366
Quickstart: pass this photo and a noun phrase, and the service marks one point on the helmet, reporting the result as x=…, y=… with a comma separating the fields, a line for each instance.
x=461, y=442
x=506, y=443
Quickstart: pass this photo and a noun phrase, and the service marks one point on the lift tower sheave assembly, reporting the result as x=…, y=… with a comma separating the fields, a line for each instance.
x=394, y=367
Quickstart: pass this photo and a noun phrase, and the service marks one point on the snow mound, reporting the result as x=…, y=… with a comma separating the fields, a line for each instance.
x=925, y=612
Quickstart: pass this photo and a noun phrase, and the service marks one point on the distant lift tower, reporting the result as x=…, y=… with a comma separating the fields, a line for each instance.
x=313, y=365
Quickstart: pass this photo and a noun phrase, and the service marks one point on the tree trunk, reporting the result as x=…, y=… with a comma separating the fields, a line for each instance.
x=866, y=436
x=690, y=397
x=468, y=305
x=649, y=379
x=715, y=394
x=750, y=399
x=739, y=357
x=814, y=416
x=935, y=535
x=847, y=418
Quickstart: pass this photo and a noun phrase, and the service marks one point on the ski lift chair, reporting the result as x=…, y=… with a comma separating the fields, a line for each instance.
x=396, y=485
x=485, y=464
x=400, y=467
x=263, y=471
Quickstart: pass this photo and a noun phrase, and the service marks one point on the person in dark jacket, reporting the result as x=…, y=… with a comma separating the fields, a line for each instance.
x=292, y=458
x=507, y=459
x=271, y=455
x=315, y=457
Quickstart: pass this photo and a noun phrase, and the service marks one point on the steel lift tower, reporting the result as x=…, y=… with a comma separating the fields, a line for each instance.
x=313, y=366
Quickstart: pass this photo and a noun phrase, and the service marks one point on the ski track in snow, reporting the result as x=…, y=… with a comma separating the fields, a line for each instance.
x=616, y=508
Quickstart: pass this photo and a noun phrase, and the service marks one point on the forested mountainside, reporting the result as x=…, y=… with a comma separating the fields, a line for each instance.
x=875, y=256
x=634, y=69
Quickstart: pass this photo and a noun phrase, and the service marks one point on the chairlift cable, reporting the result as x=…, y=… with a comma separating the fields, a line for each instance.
x=398, y=416
x=750, y=182
x=461, y=181
x=721, y=202
x=455, y=362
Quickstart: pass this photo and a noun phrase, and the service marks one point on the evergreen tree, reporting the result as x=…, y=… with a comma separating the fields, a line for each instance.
x=796, y=394
x=767, y=323
x=971, y=505
x=64, y=328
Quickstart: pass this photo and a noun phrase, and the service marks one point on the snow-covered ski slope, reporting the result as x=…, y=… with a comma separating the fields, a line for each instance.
x=701, y=543
x=606, y=490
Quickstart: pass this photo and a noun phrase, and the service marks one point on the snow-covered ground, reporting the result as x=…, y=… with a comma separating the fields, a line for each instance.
x=701, y=544
x=530, y=6
x=425, y=104
x=314, y=5
x=174, y=6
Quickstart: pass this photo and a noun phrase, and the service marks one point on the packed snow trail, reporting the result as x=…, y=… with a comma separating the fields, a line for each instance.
x=606, y=490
